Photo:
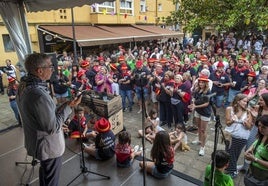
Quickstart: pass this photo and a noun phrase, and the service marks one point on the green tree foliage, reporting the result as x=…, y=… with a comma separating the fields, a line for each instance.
x=228, y=15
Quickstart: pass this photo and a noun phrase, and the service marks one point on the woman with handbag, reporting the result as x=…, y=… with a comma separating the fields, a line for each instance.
x=257, y=174
x=202, y=112
x=239, y=123
x=164, y=98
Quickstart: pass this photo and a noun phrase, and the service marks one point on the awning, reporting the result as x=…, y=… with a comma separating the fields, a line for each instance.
x=159, y=31
x=109, y=34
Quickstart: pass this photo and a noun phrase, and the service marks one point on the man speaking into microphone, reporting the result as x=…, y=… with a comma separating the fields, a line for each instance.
x=42, y=122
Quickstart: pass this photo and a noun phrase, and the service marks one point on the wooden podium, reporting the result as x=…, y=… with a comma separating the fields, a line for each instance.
x=110, y=109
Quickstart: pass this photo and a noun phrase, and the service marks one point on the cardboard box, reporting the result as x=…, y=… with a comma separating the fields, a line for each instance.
x=103, y=108
x=116, y=121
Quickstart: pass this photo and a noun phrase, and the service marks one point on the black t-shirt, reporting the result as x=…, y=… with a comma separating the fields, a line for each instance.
x=200, y=99
x=125, y=86
x=105, y=143
x=140, y=76
x=59, y=84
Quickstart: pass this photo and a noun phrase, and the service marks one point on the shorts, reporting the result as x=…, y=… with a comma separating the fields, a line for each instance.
x=158, y=174
x=145, y=92
x=203, y=118
x=64, y=95
x=124, y=165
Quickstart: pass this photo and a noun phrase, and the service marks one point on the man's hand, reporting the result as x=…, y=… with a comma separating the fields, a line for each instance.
x=76, y=101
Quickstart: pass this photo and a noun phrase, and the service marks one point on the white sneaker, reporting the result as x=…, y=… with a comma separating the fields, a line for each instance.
x=139, y=111
x=202, y=151
x=136, y=148
x=195, y=142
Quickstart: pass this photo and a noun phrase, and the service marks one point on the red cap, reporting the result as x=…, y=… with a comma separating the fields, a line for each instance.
x=252, y=74
x=121, y=58
x=139, y=64
x=84, y=64
x=203, y=78
x=124, y=67
x=203, y=58
x=220, y=64
x=242, y=58
x=101, y=58
x=163, y=60
x=151, y=60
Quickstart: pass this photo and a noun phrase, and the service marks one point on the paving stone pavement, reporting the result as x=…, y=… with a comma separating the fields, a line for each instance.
x=189, y=163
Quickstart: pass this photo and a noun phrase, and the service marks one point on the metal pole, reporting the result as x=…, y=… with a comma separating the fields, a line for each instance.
x=74, y=39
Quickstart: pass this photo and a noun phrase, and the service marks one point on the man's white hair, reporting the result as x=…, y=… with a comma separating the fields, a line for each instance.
x=205, y=72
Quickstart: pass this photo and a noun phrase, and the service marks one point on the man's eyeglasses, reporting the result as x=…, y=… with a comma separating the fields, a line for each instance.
x=50, y=66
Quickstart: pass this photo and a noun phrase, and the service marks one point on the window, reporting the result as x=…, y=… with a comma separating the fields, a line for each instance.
x=142, y=6
x=160, y=7
x=107, y=7
x=62, y=14
x=126, y=7
x=9, y=47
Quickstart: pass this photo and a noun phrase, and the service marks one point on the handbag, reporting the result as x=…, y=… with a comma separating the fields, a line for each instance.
x=161, y=96
x=175, y=101
x=256, y=177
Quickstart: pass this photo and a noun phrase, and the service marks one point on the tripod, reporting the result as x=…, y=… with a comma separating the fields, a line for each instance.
x=34, y=162
x=218, y=129
x=84, y=169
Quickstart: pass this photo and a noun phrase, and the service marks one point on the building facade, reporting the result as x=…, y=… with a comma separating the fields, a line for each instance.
x=118, y=12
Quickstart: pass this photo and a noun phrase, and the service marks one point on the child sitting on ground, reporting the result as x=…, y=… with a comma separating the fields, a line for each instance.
x=73, y=127
x=162, y=154
x=222, y=159
x=78, y=119
x=124, y=153
x=103, y=148
x=152, y=126
x=178, y=138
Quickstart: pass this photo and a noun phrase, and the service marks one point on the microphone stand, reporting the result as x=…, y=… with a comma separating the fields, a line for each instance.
x=84, y=169
x=218, y=128
x=143, y=131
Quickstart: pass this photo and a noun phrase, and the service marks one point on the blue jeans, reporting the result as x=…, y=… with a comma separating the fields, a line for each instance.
x=13, y=105
x=218, y=100
x=232, y=94
x=126, y=94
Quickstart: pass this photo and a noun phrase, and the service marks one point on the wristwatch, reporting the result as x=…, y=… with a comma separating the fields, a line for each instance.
x=256, y=159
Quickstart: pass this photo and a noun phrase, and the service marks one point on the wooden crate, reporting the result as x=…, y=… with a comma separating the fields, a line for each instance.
x=103, y=108
x=116, y=121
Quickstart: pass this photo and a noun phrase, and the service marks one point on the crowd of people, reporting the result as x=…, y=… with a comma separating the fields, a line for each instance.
x=176, y=81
